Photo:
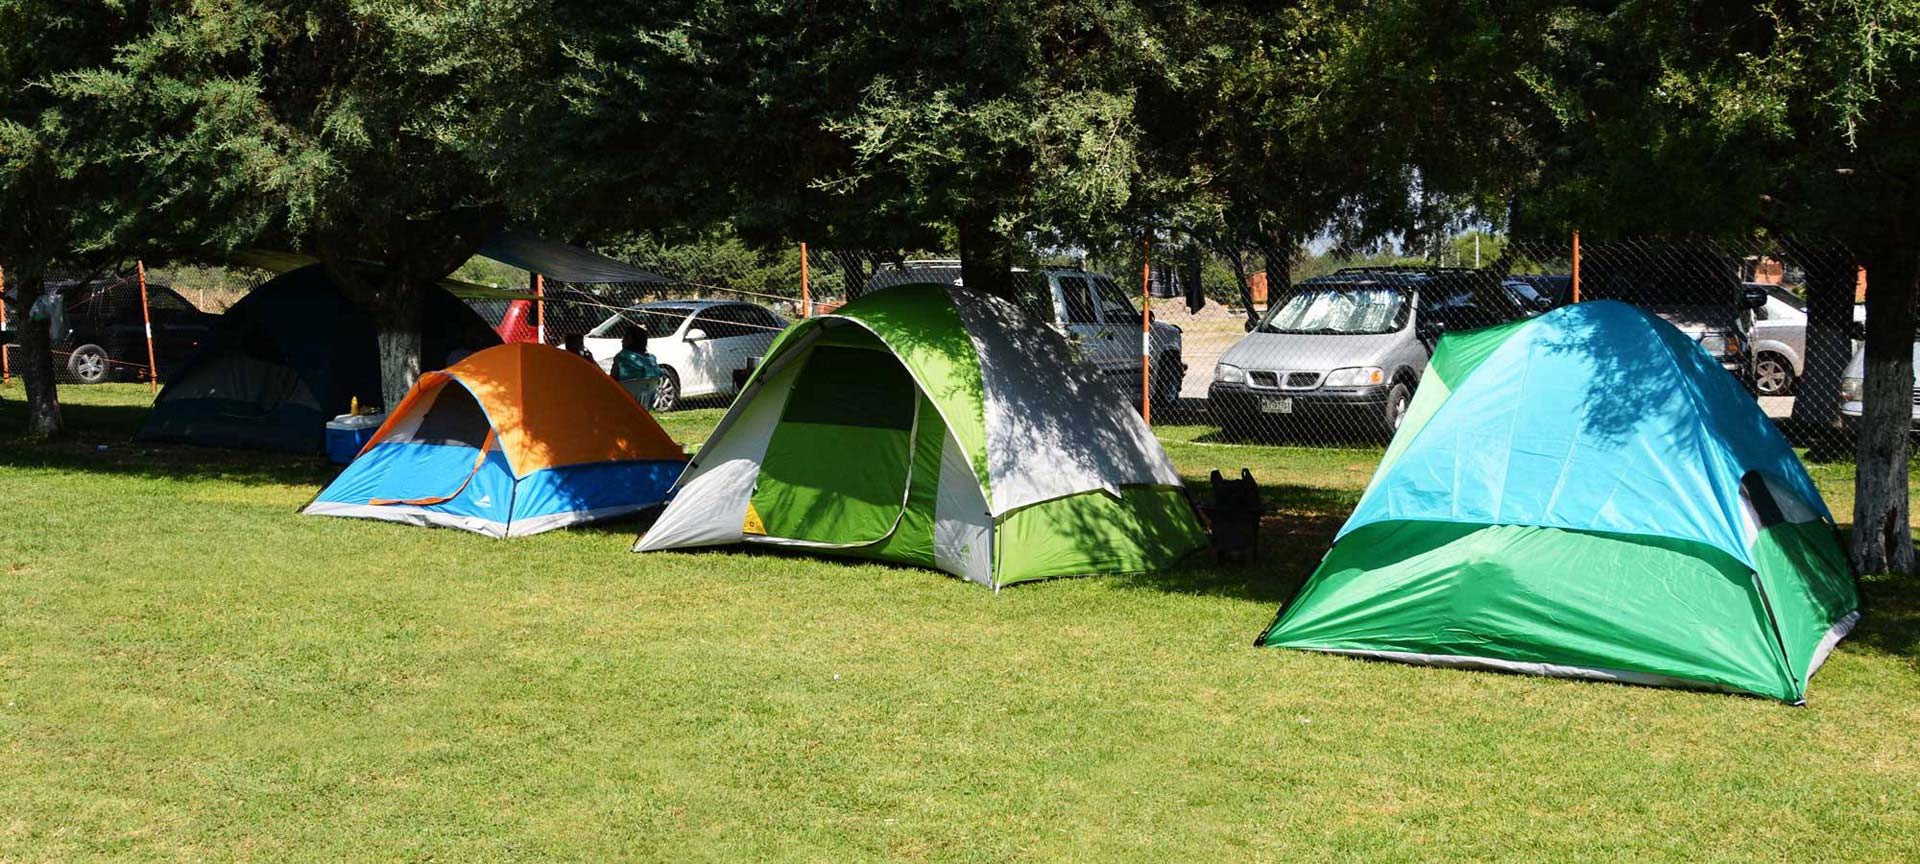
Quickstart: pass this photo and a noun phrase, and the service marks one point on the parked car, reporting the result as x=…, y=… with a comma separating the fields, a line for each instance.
x=1351, y=346
x=1853, y=387
x=705, y=347
x=1695, y=290
x=1779, y=341
x=1551, y=289
x=1088, y=308
x=99, y=332
x=569, y=312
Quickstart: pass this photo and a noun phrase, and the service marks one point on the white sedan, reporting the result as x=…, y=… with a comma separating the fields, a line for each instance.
x=705, y=347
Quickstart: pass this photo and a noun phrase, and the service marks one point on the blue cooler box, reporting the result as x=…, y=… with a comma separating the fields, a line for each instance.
x=347, y=433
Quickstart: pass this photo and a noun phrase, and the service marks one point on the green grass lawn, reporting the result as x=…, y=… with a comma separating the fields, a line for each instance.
x=190, y=671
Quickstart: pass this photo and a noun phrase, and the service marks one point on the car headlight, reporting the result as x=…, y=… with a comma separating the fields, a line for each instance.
x=1852, y=389
x=1355, y=376
x=1720, y=345
x=1226, y=374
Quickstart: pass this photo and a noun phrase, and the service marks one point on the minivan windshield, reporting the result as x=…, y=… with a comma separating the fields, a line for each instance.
x=1338, y=309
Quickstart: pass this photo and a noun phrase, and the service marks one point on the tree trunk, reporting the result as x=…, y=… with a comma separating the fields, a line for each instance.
x=1238, y=258
x=1828, y=348
x=985, y=258
x=1882, y=541
x=854, y=267
x=396, y=317
x=28, y=283
x=1277, y=255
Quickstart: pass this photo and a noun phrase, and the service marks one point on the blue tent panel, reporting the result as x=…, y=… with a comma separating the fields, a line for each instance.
x=577, y=492
x=411, y=471
x=1602, y=418
x=492, y=502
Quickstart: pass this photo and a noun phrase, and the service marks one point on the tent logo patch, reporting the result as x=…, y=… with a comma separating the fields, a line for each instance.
x=753, y=525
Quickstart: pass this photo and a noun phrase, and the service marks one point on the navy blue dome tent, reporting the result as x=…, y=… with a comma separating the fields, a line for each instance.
x=290, y=356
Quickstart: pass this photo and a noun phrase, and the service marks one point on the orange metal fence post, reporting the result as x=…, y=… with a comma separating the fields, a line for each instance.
x=1146, y=330
x=806, y=294
x=6, y=351
x=1576, y=266
x=146, y=318
x=539, y=308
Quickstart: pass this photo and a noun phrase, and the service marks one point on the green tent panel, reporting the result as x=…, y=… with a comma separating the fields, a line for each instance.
x=1585, y=494
x=941, y=428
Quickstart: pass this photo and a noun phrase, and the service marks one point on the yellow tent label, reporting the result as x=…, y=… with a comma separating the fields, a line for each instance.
x=753, y=524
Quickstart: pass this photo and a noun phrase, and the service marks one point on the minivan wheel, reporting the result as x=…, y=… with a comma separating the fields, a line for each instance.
x=1395, y=409
x=1772, y=375
x=88, y=364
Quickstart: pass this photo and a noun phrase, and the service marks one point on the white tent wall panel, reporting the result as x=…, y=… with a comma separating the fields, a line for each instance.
x=1053, y=429
x=962, y=527
x=710, y=508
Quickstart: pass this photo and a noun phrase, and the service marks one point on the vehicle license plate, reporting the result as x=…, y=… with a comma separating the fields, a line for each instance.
x=1276, y=405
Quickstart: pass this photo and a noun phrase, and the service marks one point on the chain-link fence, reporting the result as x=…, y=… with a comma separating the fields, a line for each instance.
x=1316, y=345
x=1304, y=344
x=1307, y=344
x=1329, y=346
x=104, y=330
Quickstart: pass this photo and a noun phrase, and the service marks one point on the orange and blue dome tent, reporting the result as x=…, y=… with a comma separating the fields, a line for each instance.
x=514, y=440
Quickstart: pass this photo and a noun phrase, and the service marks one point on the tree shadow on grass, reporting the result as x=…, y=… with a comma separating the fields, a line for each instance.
x=83, y=421
x=1295, y=533
x=1890, y=615
x=99, y=440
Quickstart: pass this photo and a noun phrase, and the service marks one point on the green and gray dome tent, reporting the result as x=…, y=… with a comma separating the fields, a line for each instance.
x=1585, y=494
x=939, y=427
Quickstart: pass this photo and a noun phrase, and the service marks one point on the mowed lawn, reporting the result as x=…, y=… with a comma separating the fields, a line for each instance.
x=190, y=671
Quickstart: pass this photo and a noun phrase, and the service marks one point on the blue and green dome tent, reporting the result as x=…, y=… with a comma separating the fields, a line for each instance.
x=1585, y=494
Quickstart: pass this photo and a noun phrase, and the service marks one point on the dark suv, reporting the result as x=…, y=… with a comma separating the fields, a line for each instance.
x=99, y=334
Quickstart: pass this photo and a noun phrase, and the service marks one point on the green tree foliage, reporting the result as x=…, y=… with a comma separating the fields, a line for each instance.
x=1792, y=116
x=889, y=124
x=61, y=202
x=388, y=139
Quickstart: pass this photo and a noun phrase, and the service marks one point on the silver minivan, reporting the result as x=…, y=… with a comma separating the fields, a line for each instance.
x=1348, y=348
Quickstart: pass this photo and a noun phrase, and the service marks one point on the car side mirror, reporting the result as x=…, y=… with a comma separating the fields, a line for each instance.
x=1857, y=331
x=1543, y=303
x=1252, y=323
x=1752, y=298
x=1429, y=329
x=696, y=334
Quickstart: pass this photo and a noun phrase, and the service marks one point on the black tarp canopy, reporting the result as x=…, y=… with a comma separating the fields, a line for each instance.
x=560, y=262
